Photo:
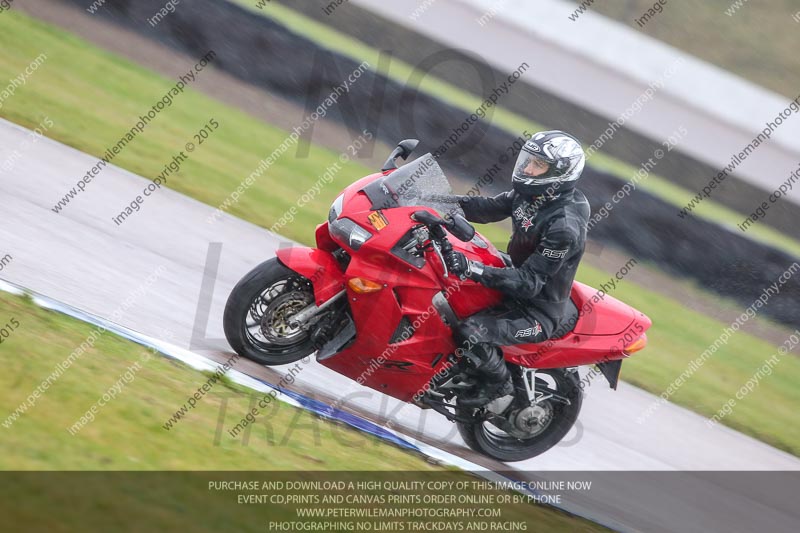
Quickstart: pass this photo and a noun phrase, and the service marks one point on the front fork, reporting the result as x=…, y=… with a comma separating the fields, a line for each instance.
x=324, y=272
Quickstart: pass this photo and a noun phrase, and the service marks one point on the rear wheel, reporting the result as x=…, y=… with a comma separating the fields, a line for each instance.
x=533, y=430
x=258, y=315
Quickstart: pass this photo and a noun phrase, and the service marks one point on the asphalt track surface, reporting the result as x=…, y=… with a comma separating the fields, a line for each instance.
x=82, y=258
x=564, y=67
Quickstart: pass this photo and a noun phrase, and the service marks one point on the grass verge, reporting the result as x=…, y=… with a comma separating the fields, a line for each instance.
x=678, y=337
x=127, y=434
x=402, y=72
x=88, y=111
x=757, y=40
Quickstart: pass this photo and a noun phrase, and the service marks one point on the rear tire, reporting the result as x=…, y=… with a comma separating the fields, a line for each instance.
x=485, y=438
x=257, y=314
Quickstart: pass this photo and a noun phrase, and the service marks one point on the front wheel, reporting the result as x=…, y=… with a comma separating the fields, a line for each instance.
x=258, y=312
x=531, y=431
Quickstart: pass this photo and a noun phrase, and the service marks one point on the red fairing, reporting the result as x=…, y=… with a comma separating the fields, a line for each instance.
x=605, y=327
x=612, y=318
x=324, y=240
x=472, y=296
x=319, y=266
x=401, y=341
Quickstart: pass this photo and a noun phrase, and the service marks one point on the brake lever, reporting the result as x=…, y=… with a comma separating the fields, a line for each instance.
x=438, y=249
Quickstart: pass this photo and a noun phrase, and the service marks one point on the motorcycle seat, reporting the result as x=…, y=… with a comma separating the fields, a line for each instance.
x=570, y=318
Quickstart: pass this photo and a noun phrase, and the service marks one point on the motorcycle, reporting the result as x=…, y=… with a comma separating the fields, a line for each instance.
x=377, y=304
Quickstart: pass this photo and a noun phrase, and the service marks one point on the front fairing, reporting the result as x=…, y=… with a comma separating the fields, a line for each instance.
x=383, y=203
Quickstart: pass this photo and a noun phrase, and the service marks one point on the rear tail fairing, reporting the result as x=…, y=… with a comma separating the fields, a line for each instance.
x=604, y=329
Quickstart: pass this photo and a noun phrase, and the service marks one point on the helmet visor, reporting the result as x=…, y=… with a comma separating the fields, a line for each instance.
x=530, y=167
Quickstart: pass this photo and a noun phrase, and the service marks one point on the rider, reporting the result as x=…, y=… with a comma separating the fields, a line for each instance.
x=547, y=241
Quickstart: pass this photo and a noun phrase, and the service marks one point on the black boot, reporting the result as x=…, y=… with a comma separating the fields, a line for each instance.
x=495, y=379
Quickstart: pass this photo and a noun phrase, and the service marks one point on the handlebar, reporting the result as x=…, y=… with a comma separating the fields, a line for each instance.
x=455, y=224
x=438, y=236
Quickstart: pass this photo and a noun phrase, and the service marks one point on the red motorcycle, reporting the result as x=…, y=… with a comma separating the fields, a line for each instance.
x=376, y=303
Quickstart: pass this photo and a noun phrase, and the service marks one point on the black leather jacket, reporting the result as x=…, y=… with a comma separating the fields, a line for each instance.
x=546, y=245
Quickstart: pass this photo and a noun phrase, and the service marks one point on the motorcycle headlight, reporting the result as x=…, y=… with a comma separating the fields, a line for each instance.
x=349, y=232
x=336, y=208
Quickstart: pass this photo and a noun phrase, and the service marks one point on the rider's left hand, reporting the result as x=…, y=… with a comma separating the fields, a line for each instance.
x=457, y=263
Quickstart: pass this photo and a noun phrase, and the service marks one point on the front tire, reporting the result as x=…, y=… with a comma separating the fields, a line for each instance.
x=486, y=438
x=256, y=318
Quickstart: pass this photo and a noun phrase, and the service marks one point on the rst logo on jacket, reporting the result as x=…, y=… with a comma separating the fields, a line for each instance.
x=525, y=216
x=554, y=254
x=530, y=332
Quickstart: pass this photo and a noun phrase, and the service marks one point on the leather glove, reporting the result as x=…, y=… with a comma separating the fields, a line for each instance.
x=458, y=264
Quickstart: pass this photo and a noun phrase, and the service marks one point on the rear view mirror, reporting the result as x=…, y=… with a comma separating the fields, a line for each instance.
x=427, y=218
x=460, y=227
x=403, y=150
x=455, y=224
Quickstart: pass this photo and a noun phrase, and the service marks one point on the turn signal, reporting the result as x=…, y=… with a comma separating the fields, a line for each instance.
x=363, y=286
x=636, y=345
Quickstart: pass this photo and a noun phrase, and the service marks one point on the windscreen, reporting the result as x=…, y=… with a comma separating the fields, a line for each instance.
x=419, y=183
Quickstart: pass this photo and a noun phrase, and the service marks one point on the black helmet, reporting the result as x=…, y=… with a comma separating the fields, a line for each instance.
x=564, y=158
